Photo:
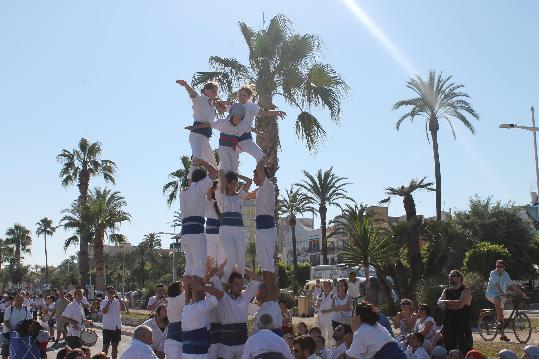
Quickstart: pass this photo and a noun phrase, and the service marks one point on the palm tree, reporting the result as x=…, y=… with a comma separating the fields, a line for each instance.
x=437, y=99
x=145, y=250
x=178, y=181
x=79, y=166
x=282, y=64
x=406, y=192
x=5, y=252
x=251, y=253
x=107, y=213
x=293, y=203
x=45, y=227
x=324, y=190
x=19, y=240
x=366, y=243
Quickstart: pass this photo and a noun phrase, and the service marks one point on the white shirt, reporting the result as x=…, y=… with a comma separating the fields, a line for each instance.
x=210, y=210
x=368, y=340
x=235, y=310
x=112, y=320
x=313, y=356
x=40, y=303
x=316, y=292
x=265, y=198
x=353, y=288
x=272, y=308
x=230, y=203
x=52, y=310
x=326, y=302
x=175, y=308
x=251, y=111
x=138, y=350
x=324, y=353
x=420, y=353
x=16, y=316
x=420, y=326
x=74, y=311
x=158, y=336
x=345, y=316
x=224, y=126
x=265, y=341
x=337, y=351
x=202, y=110
x=196, y=315
x=193, y=200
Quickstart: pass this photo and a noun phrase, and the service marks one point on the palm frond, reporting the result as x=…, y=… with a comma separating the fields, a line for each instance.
x=309, y=129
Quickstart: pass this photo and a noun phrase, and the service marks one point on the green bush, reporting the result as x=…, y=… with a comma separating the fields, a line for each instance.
x=304, y=273
x=428, y=292
x=286, y=276
x=476, y=282
x=289, y=298
x=482, y=257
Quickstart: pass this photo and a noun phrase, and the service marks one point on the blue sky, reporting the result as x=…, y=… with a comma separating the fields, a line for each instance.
x=106, y=70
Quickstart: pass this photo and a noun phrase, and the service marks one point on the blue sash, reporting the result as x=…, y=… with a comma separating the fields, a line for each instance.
x=233, y=334
x=215, y=333
x=278, y=331
x=205, y=131
x=265, y=221
x=175, y=331
x=193, y=225
x=196, y=341
x=390, y=350
x=212, y=226
x=232, y=219
x=246, y=136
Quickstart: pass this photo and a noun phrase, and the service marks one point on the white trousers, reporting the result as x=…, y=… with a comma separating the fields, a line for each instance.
x=194, y=356
x=214, y=351
x=229, y=159
x=173, y=349
x=266, y=239
x=195, y=249
x=231, y=352
x=233, y=241
x=201, y=149
x=252, y=148
x=324, y=323
x=214, y=248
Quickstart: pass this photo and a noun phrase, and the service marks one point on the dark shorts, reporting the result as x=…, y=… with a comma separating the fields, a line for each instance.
x=111, y=336
x=73, y=342
x=5, y=350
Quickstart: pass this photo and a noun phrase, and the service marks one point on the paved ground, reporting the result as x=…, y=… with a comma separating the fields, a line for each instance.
x=51, y=353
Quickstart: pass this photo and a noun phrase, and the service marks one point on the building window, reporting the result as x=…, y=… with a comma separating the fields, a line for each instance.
x=315, y=259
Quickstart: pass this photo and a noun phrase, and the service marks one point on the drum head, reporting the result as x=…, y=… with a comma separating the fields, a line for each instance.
x=88, y=337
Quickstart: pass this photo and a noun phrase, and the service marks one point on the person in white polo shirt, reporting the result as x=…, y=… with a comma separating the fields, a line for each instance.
x=14, y=314
x=112, y=309
x=74, y=316
x=265, y=342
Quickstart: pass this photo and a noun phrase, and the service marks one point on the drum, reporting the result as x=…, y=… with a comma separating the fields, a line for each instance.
x=88, y=337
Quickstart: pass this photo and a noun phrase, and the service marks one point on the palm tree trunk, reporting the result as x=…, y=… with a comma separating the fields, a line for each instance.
x=46, y=259
x=18, y=264
x=437, y=173
x=84, y=263
x=367, y=282
x=323, y=212
x=99, y=260
x=292, y=224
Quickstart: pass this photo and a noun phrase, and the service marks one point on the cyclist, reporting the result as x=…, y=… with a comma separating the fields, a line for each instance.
x=498, y=284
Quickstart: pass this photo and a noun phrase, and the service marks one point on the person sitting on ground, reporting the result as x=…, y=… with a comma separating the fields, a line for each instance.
x=405, y=321
x=159, y=325
x=305, y=347
x=100, y=356
x=370, y=338
x=425, y=325
x=415, y=347
x=474, y=354
x=76, y=353
x=63, y=353
x=302, y=329
x=439, y=352
x=339, y=334
x=384, y=320
x=265, y=341
x=531, y=352
x=289, y=338
x=140, y=346
x=315, y=332
x=321, y=351
x=507, y=354
x=455, y=354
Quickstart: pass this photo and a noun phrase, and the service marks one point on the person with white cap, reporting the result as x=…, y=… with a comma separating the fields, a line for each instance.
x=531, y=352
x=507, y=354
x=203, y=113
x=266, y=343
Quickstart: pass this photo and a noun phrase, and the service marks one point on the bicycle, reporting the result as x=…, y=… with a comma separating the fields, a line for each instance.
x=518, y=321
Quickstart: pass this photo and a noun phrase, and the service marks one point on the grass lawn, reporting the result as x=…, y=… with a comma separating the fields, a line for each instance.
x=491, y=349
x=137, y=314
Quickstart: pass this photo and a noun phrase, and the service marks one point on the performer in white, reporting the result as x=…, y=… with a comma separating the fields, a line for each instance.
x=232, y=235
x=324, y=305
x=195, y=321
x=74, y=316
x=112, y=309
x=176, y=302
x=233, y=311
x=266, y=342
x=213, y=215
x=159, y=326
x=193, y=204
x=203, y=112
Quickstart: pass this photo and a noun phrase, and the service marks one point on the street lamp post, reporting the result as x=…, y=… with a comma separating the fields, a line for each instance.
x=176, y=238
x=534, y=130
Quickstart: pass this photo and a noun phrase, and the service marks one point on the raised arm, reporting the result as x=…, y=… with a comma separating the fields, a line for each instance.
x=222, y=181
x=192, y=93
x=213, y=291
x=248, y=182
x=212, y=171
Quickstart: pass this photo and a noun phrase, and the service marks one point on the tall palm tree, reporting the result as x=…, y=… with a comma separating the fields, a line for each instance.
x=366, y=243
x=145, y=250
x=324, y=190
x=79, y=166
x=282, y=64
x=294, y=202
x=178, y=181
x=19, y=239
x=45, y=227
x=107, y=213
x=437, y=99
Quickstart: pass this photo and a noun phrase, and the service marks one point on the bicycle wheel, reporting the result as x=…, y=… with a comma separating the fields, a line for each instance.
x=488, y=327
x=522, y=327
